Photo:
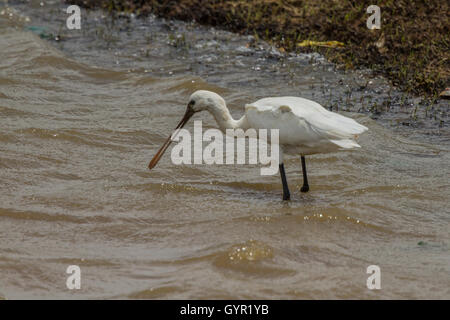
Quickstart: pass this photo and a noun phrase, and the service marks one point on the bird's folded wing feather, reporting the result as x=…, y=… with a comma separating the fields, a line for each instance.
x=302, y=121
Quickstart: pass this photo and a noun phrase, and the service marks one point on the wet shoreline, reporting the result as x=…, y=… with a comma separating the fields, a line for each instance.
x=415, y=58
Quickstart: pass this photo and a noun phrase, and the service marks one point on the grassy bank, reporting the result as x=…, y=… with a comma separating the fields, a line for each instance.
x=412, y=48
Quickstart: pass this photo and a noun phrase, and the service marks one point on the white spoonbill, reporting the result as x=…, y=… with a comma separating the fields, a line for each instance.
x=305, y=127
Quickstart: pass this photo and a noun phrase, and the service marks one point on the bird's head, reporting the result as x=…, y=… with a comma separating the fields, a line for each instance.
x=199, y=101
x=205, y=100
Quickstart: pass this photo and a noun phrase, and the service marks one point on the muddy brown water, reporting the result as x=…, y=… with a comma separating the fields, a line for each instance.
x=81, y=115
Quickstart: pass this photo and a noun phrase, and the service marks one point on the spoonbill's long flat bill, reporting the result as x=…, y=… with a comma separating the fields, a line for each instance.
x=305, y=127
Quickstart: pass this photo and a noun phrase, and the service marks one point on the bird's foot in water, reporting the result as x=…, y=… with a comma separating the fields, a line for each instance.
x=305, y=188
x=286, y=196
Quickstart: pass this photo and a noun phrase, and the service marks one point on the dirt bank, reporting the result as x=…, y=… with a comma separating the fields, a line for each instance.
x=411, y=48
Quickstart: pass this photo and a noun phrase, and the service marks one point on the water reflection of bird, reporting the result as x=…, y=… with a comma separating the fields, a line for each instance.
x=305, y=127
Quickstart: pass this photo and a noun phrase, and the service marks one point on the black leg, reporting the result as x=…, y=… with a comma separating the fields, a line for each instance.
x=305, y=187
x=286, y=194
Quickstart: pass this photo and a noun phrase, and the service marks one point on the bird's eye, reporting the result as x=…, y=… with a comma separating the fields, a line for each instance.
x=192, y=102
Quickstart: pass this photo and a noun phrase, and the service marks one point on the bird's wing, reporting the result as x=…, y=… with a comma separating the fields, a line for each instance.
x=302, y=121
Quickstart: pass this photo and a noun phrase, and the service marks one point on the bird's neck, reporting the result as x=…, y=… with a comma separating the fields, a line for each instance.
x=225, y=121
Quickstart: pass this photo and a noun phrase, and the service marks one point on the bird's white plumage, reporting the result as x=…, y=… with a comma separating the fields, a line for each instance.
x=305, y=127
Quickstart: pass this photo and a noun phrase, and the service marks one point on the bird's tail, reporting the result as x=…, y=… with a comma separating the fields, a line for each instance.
x=346, y=143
